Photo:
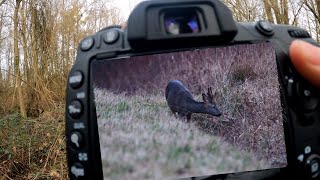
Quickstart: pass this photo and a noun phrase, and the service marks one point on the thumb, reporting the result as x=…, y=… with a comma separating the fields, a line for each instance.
x=306, y=59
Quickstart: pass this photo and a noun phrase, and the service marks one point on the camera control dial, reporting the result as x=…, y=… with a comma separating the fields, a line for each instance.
x=312, y=165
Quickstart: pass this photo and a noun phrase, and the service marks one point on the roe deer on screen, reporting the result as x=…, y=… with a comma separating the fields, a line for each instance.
x=181, y=101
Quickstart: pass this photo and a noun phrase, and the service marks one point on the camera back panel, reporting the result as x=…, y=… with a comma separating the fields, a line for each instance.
x=154, y=36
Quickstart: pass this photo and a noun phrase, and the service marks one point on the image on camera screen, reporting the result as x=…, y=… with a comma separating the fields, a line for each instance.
x=190, y=113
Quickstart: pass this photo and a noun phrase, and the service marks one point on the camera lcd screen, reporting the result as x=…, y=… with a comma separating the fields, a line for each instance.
x=189, y=113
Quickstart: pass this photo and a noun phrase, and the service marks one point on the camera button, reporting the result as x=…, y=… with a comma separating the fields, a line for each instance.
x=76, y=140
x=75, y=109
x=76, y=79
x=111, y=36
x=87, y=44
x=308, y=97
x=313, y=165
x=290, y=87
x=310, y=104
x=77, y=170
x=308, y=119
x=265, y=27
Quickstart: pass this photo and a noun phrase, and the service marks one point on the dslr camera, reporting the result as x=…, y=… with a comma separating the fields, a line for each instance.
x=185, y=92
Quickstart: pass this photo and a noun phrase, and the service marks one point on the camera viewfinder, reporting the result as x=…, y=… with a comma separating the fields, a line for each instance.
x=181, y=21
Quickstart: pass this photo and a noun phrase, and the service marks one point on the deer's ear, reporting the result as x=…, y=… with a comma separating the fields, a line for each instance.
x=205, y=98
x=210, y=95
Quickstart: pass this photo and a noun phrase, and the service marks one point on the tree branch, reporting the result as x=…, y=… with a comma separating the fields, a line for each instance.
x=296, y=14
x=23, y=80
x=2, y=2
x=312, y=10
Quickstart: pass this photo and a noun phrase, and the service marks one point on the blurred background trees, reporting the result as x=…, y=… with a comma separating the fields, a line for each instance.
x=38, y=41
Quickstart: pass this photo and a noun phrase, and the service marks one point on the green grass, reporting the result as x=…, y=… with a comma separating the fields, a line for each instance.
x=33, y=148
x=122, y=107
x=141, y=138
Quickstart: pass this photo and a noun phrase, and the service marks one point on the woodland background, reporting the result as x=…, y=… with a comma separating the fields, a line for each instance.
x=38, y=42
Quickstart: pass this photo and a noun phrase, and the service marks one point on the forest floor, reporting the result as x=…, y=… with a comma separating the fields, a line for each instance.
x=33, y=148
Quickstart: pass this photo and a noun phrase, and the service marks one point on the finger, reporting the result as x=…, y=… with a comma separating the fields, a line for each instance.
x=306, y=59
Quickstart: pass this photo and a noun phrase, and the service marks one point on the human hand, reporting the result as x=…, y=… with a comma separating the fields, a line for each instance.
x=305, y=58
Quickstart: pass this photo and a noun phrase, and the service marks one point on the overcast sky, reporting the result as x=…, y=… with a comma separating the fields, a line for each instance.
x=126, y=6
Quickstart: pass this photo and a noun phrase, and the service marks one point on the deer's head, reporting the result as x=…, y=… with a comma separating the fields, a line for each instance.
x=209, y=104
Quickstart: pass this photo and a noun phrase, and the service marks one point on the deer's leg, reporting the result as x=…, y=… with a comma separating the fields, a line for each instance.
x=181, y=116
x=174, y=112
x=188, y=117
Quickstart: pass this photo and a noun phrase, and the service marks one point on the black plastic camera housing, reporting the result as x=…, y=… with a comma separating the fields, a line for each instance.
x=215, y=27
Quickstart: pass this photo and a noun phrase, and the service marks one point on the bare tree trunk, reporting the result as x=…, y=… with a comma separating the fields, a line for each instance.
x=8, y=65
x=68, y=52
x=17, y=60
x=267, y=7
x=318, y=6
x=1, y=25
x=34, y=45
x=285, y=17
x=277, y=12
x=317, y=30
x=24, y=42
